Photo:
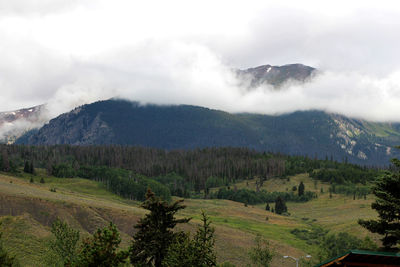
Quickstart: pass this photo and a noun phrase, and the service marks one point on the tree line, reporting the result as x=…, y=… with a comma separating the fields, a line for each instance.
x=252, y=197
x=195, y=166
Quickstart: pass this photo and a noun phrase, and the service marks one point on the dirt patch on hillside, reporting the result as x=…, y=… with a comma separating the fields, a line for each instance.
x=83, y=217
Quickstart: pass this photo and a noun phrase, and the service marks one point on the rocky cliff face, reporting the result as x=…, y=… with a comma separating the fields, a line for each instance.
x=77, y=128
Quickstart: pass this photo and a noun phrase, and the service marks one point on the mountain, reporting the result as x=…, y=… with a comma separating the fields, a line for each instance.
x=312, y=133
x=14, y=124
x=275, y=75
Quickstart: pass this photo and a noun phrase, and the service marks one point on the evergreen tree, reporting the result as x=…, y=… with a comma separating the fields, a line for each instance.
x=181, y=252
x=301, y=189
x=196, y=252
x=150, y=244
x=26, y=167
x=280, y=205
x=6, y=163
x=267, y=208
x=204, y=241
x=387, y=204
x=65, y=243
x=100, y=250
x=31, y=168
x=261, y=254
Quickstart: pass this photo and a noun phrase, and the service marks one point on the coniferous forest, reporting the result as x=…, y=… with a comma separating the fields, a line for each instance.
x=129, y=171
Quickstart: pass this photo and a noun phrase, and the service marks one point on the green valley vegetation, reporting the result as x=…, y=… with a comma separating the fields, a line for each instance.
x=101, y=249
x=261, y=254
x=156, y=243
x=332, y=244
x=88, y=205
x=253, y=197
x=116, y=177
x=6, y=260
x=65, y=243
x=128, y=171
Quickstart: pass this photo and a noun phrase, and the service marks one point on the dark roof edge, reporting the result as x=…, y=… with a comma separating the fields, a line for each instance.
x=334, y=258
x=362, y=252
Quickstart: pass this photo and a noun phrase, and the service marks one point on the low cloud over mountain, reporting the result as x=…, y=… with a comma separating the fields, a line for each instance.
x=68, y=53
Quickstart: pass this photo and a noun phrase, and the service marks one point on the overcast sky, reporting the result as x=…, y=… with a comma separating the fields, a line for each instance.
x=68, y=52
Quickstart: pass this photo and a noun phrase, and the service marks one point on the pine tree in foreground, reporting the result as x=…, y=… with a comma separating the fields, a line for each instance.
x=150, y=244
x=387, y=204
x=261, y=254
x=100, y=250
x=196, y=252
x=65, y=243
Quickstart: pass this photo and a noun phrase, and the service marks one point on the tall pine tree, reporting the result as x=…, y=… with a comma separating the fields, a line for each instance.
x=387, y=204
x=150, y=244
x=65, y=243
x=280, y=205
x=100, y=250
x=196, y=252
x=301, y=189
x=26, y=167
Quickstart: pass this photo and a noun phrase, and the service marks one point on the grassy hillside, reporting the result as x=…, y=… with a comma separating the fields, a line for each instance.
x=28, y=209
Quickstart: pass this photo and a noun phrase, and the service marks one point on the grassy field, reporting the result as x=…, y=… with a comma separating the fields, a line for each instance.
x=27, y=210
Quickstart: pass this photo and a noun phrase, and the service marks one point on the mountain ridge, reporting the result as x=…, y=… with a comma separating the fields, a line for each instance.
x=312, y=133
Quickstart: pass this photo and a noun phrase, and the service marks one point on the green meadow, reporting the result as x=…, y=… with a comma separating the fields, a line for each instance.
x=27, y=210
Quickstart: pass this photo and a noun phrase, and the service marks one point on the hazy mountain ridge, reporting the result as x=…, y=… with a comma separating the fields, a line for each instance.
x=312, y=133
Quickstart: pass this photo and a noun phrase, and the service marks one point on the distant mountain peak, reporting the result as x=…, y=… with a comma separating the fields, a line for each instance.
x=276, y=75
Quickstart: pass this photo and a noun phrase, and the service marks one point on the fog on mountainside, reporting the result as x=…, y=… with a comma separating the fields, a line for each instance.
x=312, y=133
x=15, y=123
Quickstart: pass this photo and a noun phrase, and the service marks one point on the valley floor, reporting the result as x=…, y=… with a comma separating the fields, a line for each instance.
x=28, y=209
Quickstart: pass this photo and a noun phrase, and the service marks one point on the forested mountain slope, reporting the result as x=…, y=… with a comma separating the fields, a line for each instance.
x=312, y=133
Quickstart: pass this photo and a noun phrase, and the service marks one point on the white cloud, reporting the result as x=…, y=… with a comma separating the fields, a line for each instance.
x=67, y=53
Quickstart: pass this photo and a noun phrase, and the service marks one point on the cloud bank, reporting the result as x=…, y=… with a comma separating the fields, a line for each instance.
x=69, y=53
